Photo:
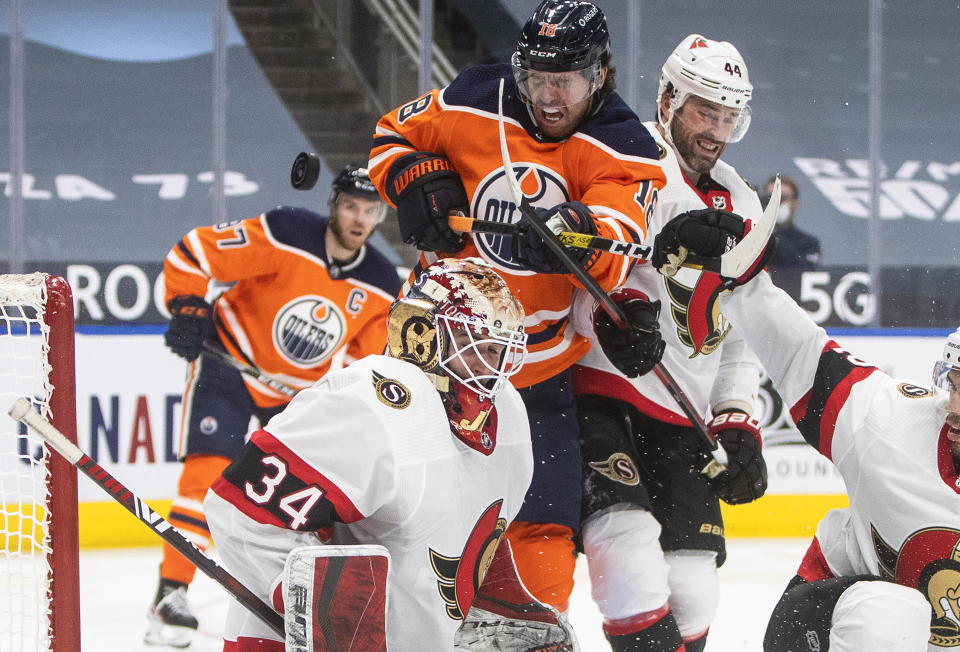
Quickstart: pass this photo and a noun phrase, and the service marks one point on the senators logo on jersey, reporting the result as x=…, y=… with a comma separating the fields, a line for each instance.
x=459, y=578
x=696, y=313
x=929, y=561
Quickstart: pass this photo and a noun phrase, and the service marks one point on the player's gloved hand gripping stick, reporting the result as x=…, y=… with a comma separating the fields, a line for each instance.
x=732, y=264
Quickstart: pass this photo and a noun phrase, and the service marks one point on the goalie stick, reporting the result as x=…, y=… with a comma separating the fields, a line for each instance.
x=213, y=351
x=22, y=411
x=713, y=467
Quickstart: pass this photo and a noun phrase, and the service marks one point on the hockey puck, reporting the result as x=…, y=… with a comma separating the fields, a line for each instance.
x=305, y=171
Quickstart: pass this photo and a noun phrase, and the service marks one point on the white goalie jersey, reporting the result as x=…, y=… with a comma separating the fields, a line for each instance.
x=887, y=437
x=366, y=456
x=704, y=352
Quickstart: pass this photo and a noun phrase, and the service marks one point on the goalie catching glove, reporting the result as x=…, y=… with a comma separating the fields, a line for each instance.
x=530, y=251
x=638, y=349
x=190, y=325
x=426, y=190
x=708, y=233
x=745, y=478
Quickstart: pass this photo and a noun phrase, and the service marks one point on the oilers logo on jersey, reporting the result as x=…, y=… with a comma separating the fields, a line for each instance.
x=493, y=201
x=929, y=561
x=459, y=578
x=308, y=329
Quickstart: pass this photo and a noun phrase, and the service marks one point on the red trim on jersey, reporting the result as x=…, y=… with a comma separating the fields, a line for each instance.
x=587, y=380
x=838, y=397
x=701, y=306
x=945, y=463
x=636, y=623
x=814, y=566
x=800, y=407
x=346, y=510
x=247, y=644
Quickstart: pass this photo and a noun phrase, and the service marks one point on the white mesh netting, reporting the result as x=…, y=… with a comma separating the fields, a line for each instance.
x=24, y=532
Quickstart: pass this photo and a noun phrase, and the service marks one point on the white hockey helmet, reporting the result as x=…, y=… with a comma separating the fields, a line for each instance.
x=460, y=322
x=713, y=70
x=949, y=361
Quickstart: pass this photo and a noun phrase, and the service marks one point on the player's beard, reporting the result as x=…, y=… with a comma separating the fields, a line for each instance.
x=692, y=154
x=351, y=242
x=570, y=118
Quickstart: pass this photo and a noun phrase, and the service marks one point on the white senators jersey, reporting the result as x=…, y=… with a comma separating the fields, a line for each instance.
x=704, y=352
x=366, y=456
x=888, y=439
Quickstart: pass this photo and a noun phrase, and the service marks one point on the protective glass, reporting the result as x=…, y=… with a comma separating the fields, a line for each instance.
x=723, y=123
x=942, y=377
x=479, y=356
x=548, y=90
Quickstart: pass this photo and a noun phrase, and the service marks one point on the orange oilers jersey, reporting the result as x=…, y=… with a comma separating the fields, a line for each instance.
x=287, y=309
x=611, y=164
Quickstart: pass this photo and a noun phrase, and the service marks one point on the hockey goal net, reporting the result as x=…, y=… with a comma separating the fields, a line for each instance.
x=39, y=579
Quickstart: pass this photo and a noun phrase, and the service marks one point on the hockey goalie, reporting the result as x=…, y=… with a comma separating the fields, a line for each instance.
x=371, y=510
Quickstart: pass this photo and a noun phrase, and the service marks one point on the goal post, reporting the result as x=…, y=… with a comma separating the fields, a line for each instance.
x=39, y=557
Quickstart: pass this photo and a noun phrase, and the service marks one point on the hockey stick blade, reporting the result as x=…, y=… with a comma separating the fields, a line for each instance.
x=271, y=382
x=589, y=283
x=22, y=412
x=738, y=260
x=526, y=210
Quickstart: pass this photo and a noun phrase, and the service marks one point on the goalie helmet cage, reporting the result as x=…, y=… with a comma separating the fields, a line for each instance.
x=39, y=556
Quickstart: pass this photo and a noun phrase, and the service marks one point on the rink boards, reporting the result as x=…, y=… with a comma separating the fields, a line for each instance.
x=128, y=394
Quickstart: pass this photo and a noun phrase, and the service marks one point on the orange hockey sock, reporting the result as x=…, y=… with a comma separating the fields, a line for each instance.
x=186, y=514
x=545, y=559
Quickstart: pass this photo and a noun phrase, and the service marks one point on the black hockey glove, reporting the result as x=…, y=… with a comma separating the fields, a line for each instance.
x=637, y=350
x=745, y=479
x=530, y=251
x=426, y=189
x=191, y=324
x=707, y=232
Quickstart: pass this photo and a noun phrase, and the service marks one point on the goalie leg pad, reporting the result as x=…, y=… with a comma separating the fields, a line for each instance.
x=335, y=598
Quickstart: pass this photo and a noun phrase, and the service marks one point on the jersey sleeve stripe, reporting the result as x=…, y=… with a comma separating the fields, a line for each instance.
x=836, y=376
x=346, y=510
x=382, y=156
x=382, y=141
x=197, y=247
x=175, y=260
x=182, y=247
x=235, y=496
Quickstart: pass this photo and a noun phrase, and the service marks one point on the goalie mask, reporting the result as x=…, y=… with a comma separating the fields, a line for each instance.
x=459, y=321
x=714, y=71
x=460, y=324
x=949, y=362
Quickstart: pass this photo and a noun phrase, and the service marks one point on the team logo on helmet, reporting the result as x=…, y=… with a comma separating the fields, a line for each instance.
x=929, y=561
x=619, y=468
x=458, y=578
x=493, y=201
x=308, y=330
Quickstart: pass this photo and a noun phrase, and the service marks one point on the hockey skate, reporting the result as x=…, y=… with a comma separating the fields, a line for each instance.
x=169, y=620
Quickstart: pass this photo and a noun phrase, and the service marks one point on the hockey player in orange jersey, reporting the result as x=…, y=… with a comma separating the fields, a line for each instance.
x=586, y=163
x=302, y=289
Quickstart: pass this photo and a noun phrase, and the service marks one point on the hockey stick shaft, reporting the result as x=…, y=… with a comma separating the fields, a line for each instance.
x=592, y=286
x=213, y=351
x=566, y=238
x=21, y=411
